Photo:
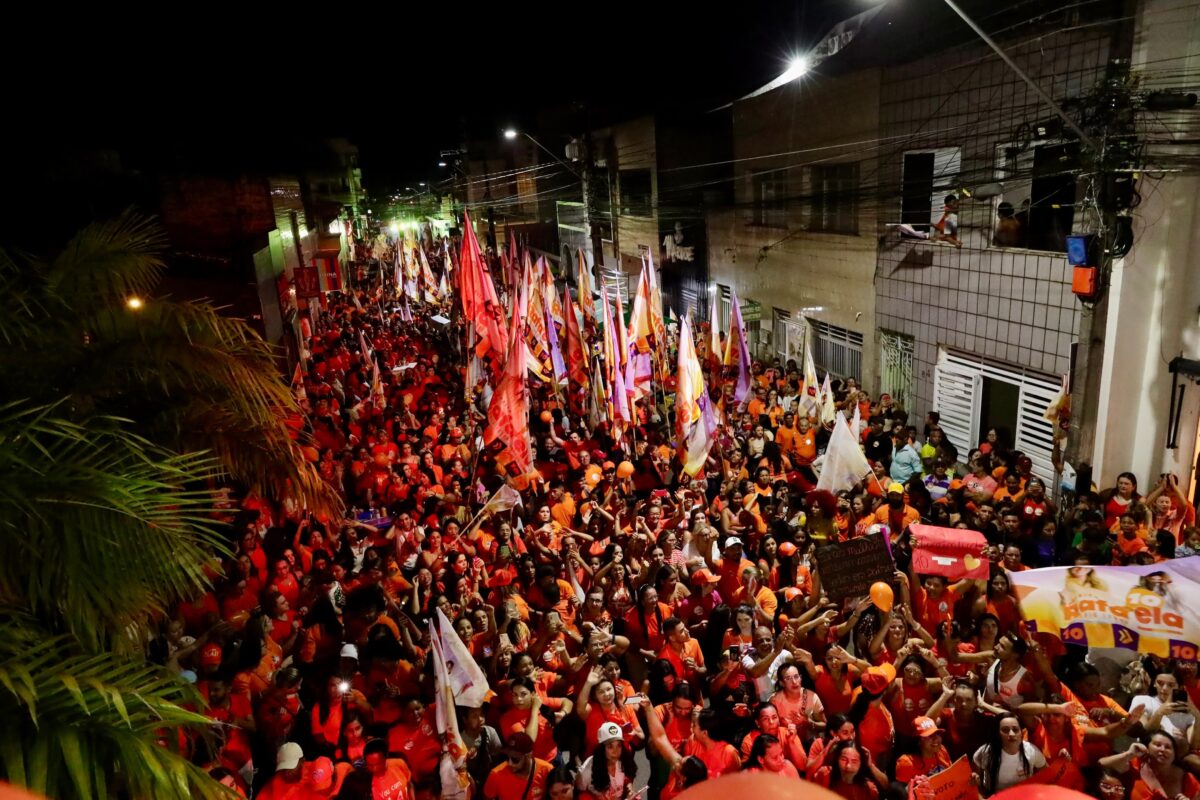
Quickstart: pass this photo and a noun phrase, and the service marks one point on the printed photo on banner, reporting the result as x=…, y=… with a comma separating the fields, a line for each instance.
x=1148, y=609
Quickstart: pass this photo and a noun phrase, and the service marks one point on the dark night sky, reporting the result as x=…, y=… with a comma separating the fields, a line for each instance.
x=415, y=76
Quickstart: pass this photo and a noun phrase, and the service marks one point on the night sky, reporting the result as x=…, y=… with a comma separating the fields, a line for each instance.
x=401, y=82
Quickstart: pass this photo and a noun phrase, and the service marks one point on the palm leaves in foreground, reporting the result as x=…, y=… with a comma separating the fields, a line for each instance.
x=189, y=378
x=98, y=530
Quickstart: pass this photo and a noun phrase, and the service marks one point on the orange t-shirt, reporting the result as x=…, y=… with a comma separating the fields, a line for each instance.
x=515, y=721
x=877, y=732
x=691, y=649
x=504, y=784
x=721, y=758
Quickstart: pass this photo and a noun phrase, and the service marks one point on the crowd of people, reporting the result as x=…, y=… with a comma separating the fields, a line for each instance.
x=625, y=607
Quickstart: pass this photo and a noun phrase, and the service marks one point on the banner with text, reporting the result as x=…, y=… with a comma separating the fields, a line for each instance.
x=1147, y=609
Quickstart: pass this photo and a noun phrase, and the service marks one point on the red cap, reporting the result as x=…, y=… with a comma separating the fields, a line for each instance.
x=210, y=656
x=791, y=593
x=501, y=578
x=925, y=727
x=787, y=549
x=874, y=681
x=703, y=576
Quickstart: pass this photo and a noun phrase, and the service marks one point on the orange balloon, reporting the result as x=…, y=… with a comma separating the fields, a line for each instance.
x=1039, y=791
x=759, y=785
x=624, y=469
x=10, y=792
x=882, y=596
x=547, y=417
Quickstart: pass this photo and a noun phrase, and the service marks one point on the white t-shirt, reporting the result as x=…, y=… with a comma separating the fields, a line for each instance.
x=1174, y=724
x=764, y=685
x=1011, y=770
x=616, y=782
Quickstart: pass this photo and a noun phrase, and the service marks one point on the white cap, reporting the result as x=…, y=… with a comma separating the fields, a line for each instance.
x=288, y=756
x=349, y=651
x=732, y=541
x=608, y=732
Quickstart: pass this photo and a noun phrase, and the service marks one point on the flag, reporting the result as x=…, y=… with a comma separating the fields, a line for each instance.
x=457, y=679
x=427, y=277
x=856, y=423
x=357, y=304
x=504, y=499
x=694, y=420
x=363, y=347
x=622, y=342
x=587, y=295
x=507, y=433
x=298, y=385
x=657, y=325
x=577, y=357
x=537, y=338
x=481, y=306
x=828, y=408
x=639, y=318
x=714, y=323
x=844, y=464
x=378, y=399
x=609, y=350
x=556, y=358
x=737, y=330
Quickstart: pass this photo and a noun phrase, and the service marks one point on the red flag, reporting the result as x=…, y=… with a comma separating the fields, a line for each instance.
x=577, y=360
x=507, y=434
x=481, y=306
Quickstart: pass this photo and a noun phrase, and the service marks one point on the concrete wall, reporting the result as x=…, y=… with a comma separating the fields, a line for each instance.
x=817, y=120
x=1010, y=304
x=1154, y=309
x=634, y=147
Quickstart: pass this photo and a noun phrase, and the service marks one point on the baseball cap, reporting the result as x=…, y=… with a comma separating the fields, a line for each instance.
x=609, y=465
x=895, y=488
x=608, y=732
x=791, y=593
x=703, y=576
x=874, y=681
x=210, y=656
x=320, y=774
x=732, y=541
x=787, y=549
x=288, y=756
x=925, y=727
x=349, y=651
x=518, y=744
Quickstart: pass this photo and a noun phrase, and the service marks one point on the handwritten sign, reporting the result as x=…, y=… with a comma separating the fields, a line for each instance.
x=849, y=568
x=952, y=783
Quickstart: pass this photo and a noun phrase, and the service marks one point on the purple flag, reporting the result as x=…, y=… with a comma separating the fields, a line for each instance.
x=556, y=358
x=743, y=383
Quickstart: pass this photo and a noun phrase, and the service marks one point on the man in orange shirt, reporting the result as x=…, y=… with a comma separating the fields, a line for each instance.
x=895, y=513
x=521, y=777
x=562, y=505
x=753, y=593
x=297, y=779
x=786, y=434
x=390, y=777
x=729, y=566
x=682, y=651
x=805, y=443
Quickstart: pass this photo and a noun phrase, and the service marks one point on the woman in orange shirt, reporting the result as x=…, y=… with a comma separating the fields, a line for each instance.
x=849, y=775
x=876, y=730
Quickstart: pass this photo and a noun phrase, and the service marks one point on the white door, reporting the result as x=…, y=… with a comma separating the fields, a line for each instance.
x=956, y=399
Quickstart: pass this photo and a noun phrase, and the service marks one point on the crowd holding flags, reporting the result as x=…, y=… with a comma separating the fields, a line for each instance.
x=599, y=363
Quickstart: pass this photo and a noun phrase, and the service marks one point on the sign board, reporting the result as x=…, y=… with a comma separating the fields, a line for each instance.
x=849, y=568
x=952, y=783
x=950, y=552
x=308, y=284
x=751, y=311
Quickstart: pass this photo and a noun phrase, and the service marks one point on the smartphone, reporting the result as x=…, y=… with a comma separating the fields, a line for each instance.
x=1179, y=696
x=633, y=700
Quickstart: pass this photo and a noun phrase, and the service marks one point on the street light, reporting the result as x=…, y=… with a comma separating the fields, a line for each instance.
x=441, y=163
x=134, y=303
x=796, y=67
x=510, y=133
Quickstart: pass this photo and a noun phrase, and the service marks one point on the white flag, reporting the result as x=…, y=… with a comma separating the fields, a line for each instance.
x=452, y=766
x=466, y=680
x=504, y=499
x=828, y=408
x=844, y=463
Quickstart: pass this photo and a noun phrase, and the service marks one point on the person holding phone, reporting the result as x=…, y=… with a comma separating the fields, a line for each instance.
x=1168, y=709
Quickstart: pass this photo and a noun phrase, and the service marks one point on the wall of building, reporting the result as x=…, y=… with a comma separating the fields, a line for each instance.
x=825, y=276
x=1154, y=308
x=634, y=147
x=1010, y=304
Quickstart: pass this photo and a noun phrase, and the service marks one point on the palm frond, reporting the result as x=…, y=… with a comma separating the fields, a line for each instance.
x=83, y=725
x=100, y=528
x=107, y=262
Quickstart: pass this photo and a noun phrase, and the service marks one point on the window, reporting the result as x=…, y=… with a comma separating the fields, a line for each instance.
x=896, y=366
x=834, y=198
x=637, y=193
x=836, y=350
x=929, y=175
x=1036, y=208
x=770, y=198
x=726, y=306
x=782, y=328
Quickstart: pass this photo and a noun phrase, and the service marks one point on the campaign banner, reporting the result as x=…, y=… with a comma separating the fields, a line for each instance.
x=950, y=552
x=952, y=783
x=1147, y=609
